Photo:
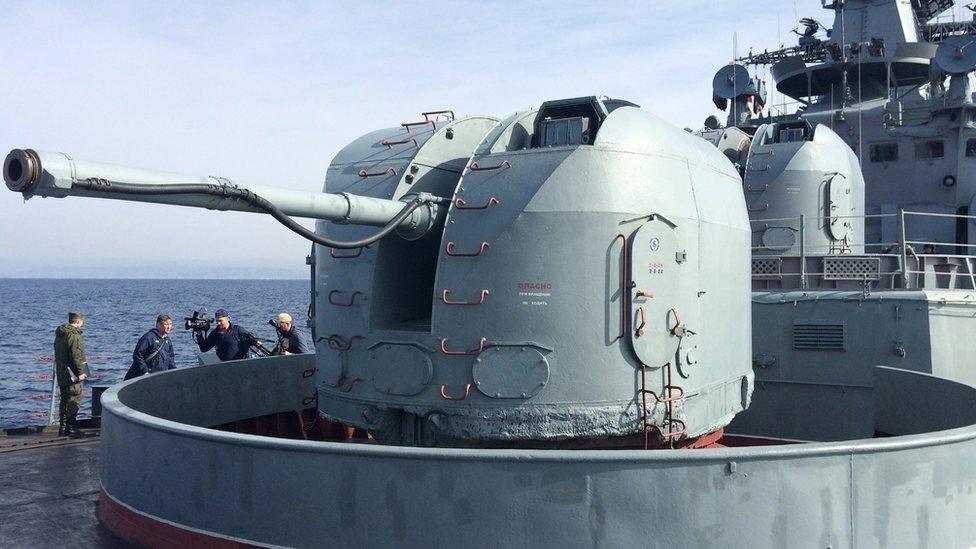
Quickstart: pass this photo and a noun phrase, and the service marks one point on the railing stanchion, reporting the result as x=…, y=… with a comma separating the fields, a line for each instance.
x=803, y=253
x=904, y=250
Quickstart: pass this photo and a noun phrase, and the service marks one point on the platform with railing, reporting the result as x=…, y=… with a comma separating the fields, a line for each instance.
x=910, y=262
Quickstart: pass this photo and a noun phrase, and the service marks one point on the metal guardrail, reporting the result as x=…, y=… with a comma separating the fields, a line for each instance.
x=903, y=248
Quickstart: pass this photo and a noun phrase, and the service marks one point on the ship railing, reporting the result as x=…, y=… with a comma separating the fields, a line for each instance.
x=784, y=109
x=911, y=261
x=921, y=111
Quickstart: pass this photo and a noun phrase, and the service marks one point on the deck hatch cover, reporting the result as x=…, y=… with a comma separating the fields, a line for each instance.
x=812, y=335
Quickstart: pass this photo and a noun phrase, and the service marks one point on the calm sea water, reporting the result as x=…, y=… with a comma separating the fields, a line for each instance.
x=117, y=313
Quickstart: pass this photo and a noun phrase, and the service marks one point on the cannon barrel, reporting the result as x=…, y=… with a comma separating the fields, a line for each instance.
x=47, y=174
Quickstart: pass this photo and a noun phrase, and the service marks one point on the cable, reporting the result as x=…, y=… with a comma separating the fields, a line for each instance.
x=223, y=191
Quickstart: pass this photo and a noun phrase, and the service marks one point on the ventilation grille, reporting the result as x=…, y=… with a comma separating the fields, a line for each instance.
x=763, y=268
x=851, y=268
x=814, y=336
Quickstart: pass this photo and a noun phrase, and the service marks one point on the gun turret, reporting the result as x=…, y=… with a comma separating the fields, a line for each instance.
x=588, y=244
x=48, y=174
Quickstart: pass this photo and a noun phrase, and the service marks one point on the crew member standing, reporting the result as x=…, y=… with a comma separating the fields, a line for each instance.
x=232, y=341
x=154, y=351
x=289, y=340
x=71, y=370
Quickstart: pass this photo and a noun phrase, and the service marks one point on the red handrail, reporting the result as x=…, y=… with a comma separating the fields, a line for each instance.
x=428, y=114
x=407, y=125
x=341, y=304
x=444, y=395
x=389, y=144
x=389, y=170
x=462, y=205
x=475, y=167
x=624, y=290
x=475, y=351
x=449, y=250
x=359, y=252
x=349, y=387
x=484, y=294
x=677, y=321
x=335, y=342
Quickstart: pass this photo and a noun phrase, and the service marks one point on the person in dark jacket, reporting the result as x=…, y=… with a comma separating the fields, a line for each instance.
x=289, y=340
x=71, y=370
x=232, y=341
x=154, y=351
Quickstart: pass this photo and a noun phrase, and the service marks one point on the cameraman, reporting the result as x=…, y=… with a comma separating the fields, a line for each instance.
x=232, y=341
x=289, y=341
x=154, y=351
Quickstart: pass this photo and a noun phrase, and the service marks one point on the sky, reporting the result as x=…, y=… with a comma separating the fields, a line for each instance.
x=269, y=92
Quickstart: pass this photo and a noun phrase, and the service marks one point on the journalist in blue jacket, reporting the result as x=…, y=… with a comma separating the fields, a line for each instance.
x=154, y=351
x=232, y=341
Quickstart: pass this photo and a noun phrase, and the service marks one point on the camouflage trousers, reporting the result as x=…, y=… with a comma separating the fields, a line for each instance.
x=70, y=401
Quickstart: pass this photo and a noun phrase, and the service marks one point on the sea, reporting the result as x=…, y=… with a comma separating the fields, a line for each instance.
x=117, y=312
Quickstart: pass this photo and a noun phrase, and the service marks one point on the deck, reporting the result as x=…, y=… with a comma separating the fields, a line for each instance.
x=50, y=492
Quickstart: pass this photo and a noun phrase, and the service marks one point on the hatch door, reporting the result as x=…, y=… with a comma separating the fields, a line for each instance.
x=655, y=272
x=838, y=206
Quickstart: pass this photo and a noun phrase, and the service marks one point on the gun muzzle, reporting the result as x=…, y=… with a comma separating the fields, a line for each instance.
x=20, y=169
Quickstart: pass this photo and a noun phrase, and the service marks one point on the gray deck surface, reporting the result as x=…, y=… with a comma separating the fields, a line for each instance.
x=48, y=495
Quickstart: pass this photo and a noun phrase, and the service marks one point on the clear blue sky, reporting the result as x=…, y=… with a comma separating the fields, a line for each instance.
x=269, y=92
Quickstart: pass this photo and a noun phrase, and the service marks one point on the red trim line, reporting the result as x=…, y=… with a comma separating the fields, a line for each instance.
x=145, y=531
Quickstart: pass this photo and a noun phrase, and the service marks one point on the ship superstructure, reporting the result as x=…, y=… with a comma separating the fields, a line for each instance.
x=859, y=200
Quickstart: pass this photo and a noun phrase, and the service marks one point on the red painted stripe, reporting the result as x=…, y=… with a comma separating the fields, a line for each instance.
x=146, y=531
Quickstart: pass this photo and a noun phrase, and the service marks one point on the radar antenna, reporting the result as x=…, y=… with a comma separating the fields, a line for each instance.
x=810, y=47
x=956, y=56
x=747, y=95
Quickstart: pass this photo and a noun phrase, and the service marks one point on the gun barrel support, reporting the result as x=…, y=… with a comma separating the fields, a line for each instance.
x=47, y=174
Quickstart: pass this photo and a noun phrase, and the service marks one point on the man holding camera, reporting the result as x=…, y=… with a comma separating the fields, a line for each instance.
x=154, y=351
x=232, y=341
x=289, y=341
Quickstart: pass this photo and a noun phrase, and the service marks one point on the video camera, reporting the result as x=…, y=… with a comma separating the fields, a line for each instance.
x=199, y=322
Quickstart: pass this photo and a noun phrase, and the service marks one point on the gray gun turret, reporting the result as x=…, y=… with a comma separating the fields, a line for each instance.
x=575, y=272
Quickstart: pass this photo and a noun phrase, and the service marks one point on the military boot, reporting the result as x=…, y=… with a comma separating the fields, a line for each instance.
x=71, y=428
x=62, y=431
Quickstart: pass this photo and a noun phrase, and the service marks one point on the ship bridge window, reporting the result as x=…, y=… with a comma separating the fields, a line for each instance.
x=883, y=152
x=971, y=147
x=925, y=150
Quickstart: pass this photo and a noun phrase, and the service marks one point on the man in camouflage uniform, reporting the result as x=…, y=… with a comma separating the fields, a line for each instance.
x=72, y=370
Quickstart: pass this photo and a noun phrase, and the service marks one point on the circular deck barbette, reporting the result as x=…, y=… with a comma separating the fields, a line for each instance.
x=169, y=479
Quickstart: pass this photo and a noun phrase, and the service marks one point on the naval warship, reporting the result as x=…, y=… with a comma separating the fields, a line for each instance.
x=580, y=325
